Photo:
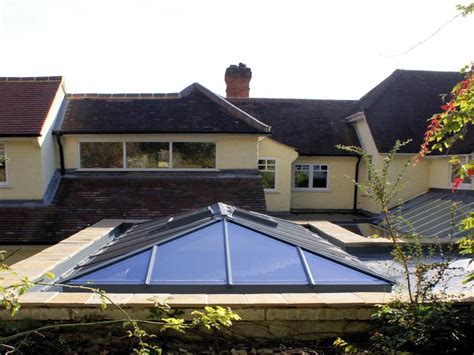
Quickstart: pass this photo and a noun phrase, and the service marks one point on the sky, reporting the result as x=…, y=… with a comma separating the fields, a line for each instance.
x=296, y=49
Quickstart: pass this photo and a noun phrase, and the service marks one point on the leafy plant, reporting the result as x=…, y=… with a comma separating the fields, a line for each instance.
x=429, y=328
x=162, y=317
x=428, y=320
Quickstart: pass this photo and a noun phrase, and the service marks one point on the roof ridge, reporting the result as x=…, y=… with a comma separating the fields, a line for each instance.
x=123, y=95
x=30, y=78
x=374, y=94
x=228, y=106
x=289, y=99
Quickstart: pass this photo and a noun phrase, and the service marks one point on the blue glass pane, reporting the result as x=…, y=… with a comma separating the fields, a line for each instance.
x=196, y=258
x=258, y=259
x=128, y=271
x=327, y=272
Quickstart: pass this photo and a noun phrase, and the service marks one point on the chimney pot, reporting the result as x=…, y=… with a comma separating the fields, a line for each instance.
x=237, y=78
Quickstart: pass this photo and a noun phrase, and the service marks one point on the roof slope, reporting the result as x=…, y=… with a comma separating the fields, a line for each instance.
x=313, y=127
x=431, y=215
x=399, y=107
x=84, y=199
x=194, y=110
x=25, y=103
x=232, y=224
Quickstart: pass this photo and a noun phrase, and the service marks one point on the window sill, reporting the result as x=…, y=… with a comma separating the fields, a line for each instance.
x=311, y=190
x=6, y=186
x=141, y=170
x=272, y=191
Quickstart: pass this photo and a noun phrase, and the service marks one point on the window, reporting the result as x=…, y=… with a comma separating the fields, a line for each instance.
x=311, y=176
x=147, y=155
x=467, y=182
x=101, y=155
x=3, y=164
x=194, y=155
x=267, y=168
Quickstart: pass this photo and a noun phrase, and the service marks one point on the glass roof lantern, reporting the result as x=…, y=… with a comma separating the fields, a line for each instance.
x=223, y=249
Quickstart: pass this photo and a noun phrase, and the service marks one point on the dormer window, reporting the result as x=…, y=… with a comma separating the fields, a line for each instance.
x=147, y=155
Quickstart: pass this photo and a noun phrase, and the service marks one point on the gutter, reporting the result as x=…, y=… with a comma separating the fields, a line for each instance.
x=61, y=153
x=356, y=187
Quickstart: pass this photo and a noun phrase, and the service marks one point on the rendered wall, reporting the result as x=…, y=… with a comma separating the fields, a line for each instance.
x=32, y=161
x=24, y=175
x=440, y=174
x=232, y=151
x=416, y=180
x=49, y=154
x=279, y=200
x=339, y=195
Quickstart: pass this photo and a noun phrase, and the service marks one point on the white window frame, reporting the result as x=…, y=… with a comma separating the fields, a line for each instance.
x=4, y=150
x=124, y=153
x=464, y=159
x=275, y=189
x=311, y=169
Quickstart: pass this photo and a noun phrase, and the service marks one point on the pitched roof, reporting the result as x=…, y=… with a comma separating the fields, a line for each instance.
x=83, y=199
x=313, y=127
x=193, y=110
x=399, y=107
x=431, y=215
x=25, y=103
x=248, y=236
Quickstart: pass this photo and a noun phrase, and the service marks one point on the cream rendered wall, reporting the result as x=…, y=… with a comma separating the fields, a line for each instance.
x=339, y=195
x=440, y=173
x=280, y=199
x=32, y=161
x=232, y=151
x=416, y=180
x=24, y=176
x=49, y=154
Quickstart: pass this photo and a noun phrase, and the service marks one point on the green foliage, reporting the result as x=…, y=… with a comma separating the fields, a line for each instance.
x=428, y=321
x=452, y=123
x=433, y=328
x=466, y=244
x=162, y=317
x=465, y=9
x=214, y=318
x=344, y=346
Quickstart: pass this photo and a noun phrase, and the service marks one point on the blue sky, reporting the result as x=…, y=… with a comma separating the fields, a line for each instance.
x=299, y=49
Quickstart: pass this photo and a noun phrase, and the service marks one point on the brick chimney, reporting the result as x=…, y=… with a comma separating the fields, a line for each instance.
x=237, y=78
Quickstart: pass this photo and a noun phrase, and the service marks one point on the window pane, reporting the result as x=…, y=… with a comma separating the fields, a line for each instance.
x=326, y=271
x=268, y=179
x=101, y=155
x=301, y=178
x=129, y=271
x=3, y=158
x=258, y=259
x=320, y=179
x=194, y=155
x=196, y=258
x=148, y=155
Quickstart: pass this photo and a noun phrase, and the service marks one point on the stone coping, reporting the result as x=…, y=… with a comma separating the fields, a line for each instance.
x=46, y=260
x=344, y=238
x=314, y=300
x=348, y=240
